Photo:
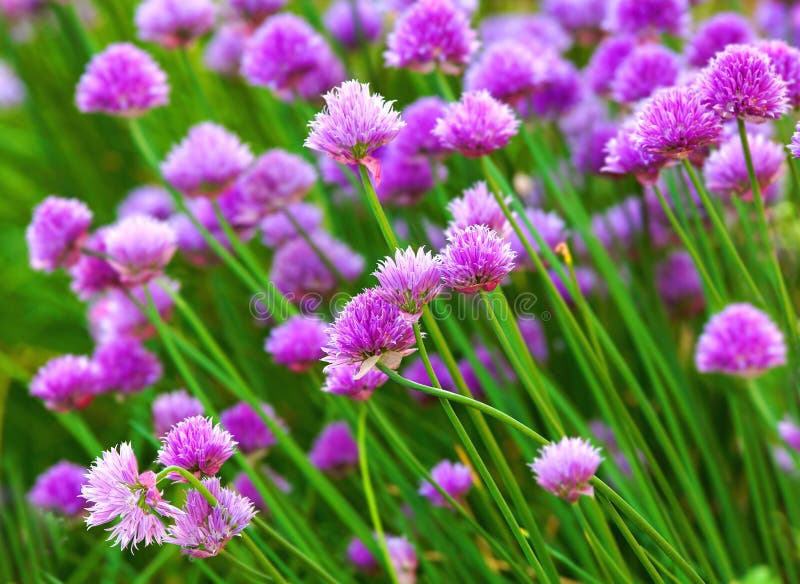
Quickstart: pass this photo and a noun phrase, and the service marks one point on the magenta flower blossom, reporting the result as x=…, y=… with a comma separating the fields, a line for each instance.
x=405, y=178
x=786, y=61
x=789, y=433
x=255, y=11
x=401, y=554
x=207, y=161
x=360, y=556
x=174, y=23
x=122, y=81
x=334, y=450
x=726, y=170
x=477, y=206
x=455, y=479
x=674, y=123
x=550, y=227
x=245, y=486
x=223, y=53
x=794, y=145
x=151, y=200
x=646, y=69
x=277, y=229
x=741, y=82
x=57, y=232
x=416, y=137
x=416, y=371
x=505, y=70
x=344, y=381
x=197, y=445
x=583, y=18
x=12, y=90
x=475, y=259
x=203, y=531
x=248, y=428
x=742, y=341
x=476, y=125
x=297, y=343
x=117, y=315
x=124, y=365
x=624, y=155
x=588, y=149
x=139, y=247
x=174, y=407
x=349, y=24
x=565, y=468
x=59, y=489
x=66, y=383
x=535, y=28
x=679, y=284
x=647, y=18
x=557, y=86
x=353, y=124
x=533, y=334
x=431, y=34
x=618, y=227
x=605, y=61
x=117, y=492
x=277, y=179
x=410, y=281
x=716, y=33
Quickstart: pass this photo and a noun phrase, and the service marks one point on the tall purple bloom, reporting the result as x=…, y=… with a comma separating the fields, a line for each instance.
x=475, y=259
x=406, y=178
x=57, y=232
x=350, y=22
x=66, y=383
x=197, y=445
x=151, y=200
x=416, y=138
x=647, y=18
x=646, y=69
x=716, y=33
x=124, y=365
x=565, y=468
x=59, y=489
x=12, y=90
x=679, y=284
x=139, y=247
x=344, y=381
x=786, y=60
x=174, y=407
x=297, y=343
x=248, y=428
x=505, y=69
x=477, y=206
x=742, y=341
x=455, y=479
x=726, y=174
x=410, y=281
x=624, y=155
x=605, y=61
x=557, y=86
x=122, y=81
x=334, y=450
x=277, y=179
x=174, y=23
x=539, y=29
x=583, y=18
x=476, y=125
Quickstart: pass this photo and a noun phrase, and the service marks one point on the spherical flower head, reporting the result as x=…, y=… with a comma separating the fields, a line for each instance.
x=139, y=247
x=277, y=179
x=557, y=86
x=532, y=333
x=57, y=232
x=353, y=124
x=431, y=34
x=417, y=371
x=716, y=33
x=223, y=53
x=335, y=450
x=360, y=556
x=588, y=149
x=410, y=281
x=12, y=90
x=605, y=61
x=505, y=71
x=618, y=227
x=174, y=23
x=203, y=531
x=122, y=81
x=124, y=365
x=679, y=284
x=789, y=432
x=624, y=155
x=674, y=123
x=349, y=23
x=741, y=82
x=151, y=200
x=577, y=16
x=477, y=206
x=786, y=60
x=565, y=468
x=171, y=408
x=550, y=227
x=248, y=428
x=476, y=125
x=405, y=178
x=741, y=341
x=344, y=381
x=416, y=137
x=726, y=170
x=541, y=30
x=117, y=492
x=646, y=69
x=197, y=445
x=59, y=489
x=647, y=18
x=297, y=343
x=207, y=161
x=277, y=228
x=66, y=383
x=255, y=11
x=455, y=479
x=476, y=259
x=115, y=314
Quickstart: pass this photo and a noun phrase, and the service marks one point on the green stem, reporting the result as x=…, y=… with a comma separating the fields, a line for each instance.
x=271, y=570
x=196, y=86
x=191, y=479
x=295, y=551
x=377, y=210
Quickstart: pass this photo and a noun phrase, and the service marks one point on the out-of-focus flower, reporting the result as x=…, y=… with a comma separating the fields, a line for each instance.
x=276, y=179
x=716, y=33
x=789, y=432
x=344, y=381
x=255, y=11
x=334, y=450
x=66, y=383
x=59, y=489
x=477, y=206
x=223, y=53
x=124, y=365
x=139, y=248
x=725, y=169
x=646, y=69
x=174, y=407
x=244, y=484
x=786, y=61
x=277, y=228
x=605, y=61
x=647, y=18
x=197, y=445
x=297, y=343
x=350, y=22
x=624, y=155
x=679, y=284
x=557, y=86
x=174, y=23
x=57, y=232
x=476, y=125
x=410, y=281
x=542, y=30
x=417, y=372
x=12, y=90
x=565, y=468
x=506, y=70
x=401, y=554
x=550, y=227
x=406, y=179
x=416, y=138
x=151, y=200
x=248, y=428
x=583, y=18
x=476, y=259
x=118, y=315
x=534, y=337
x=455, y=479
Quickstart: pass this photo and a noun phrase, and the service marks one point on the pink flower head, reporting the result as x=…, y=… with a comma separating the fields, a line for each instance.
x=139, y=247
x=297, y=343
x=171, y=408
x=726, y=174
x=12, y=89
x=349, y=23
x=151, y=200
x=66, y=383
x=174, y=23
x=410, y=281
x=475, y=259
x=124, y=365
x=248, y=428
x=416, y=137
x=59, y=489
x=477, y=206
x=550, y=227
x=57, y=232
x=197, y=445
x=343, y=380
x=334, y=450
x=716, y=33
x=223, y=53
x=565, y=468
x=624, y=155
x=276, y=179
x=647, y=18
x=455, y=479
x=476, y=125
x=646, y=69
x=786, y=60
x=115, y=314
x=606, y=59
x=789, y=432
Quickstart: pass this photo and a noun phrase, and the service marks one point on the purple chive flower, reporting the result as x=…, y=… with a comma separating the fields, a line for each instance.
x=117, y=492
x=248, y=429
x=342, y=381
x=505, y=70
x=741, y=82
x=789, y=433
x=416, y=371
x=565, y=468
x=57, y=232
x=716, y=33
x=583, y=18
x=139, y=247
x=151, y=200
x=255, y=11
x=455, y=479
x=124, y=365
x=207, y=161
x=725, y=169
x=534, y=337
x=431, y=34
x=624, y=155
x=605, y=61
x=360, y=556
x=245, y=486
x=742, y=341
x=477, y=206
x=475, y=259
x=409, y=281
x=494, y=365
x=117, y=315
x=405, y=178
x=203, y=531
x=12, y=90
x=786, y=60
x=349, y=23
x=476, y=125
x=674, y=123
x=197, y=445
x=679, y=284
x=122, y=81
x=646, y=69
x=174, y=23
x=550, y=227
x=535, y=28
x=335, y=450
x=416, y=137
x=353, y=124
x=557, y=86
x=174, y=407
x=368, y=331
x=277, y=229
x=59, y=489
x=401, y=554
x=277, y=179
x=588, y=149
x=223, y=53
x=647, y=18
x=618, y=227
x=66, y=383
x=297, y=343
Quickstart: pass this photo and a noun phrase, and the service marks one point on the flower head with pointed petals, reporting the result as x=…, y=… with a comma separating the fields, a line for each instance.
x=344, y=381
x=476, y=125
x=139, y=247
x=56, y=233
x=475, y=259
x=197, y=445
x=726, y=173
x=455, y=479
x=564, y=468
x=410, y=281
x=66, y=383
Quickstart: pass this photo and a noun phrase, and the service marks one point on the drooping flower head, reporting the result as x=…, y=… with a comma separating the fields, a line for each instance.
x=276, y=179
x=297, y=343
x=726, y=174
x=59, y=489
x=646, y=69
x=431, y=34
x=647, y=18
x=66, y=383
x=124, y=365
x=151, y=200
x=454, y=478
x=742, y=341
x=786, y=60
x=477, y=206
x=416, y=138
x=353, y=124
x=117, y=492
x=409, y=281
x=139, y=247
x=476, y=125
x=352, y=23
x=475, y=259
x=716, y=33
x=344, y=381
x=624, y=155
x=679, y=284
x=203, y=531
x=564, y=468
x=171, y=408
x=334, y=450
x=122, y=81
x=741, y=82
x=197, y=445
x=57, y=232
x=606, y=59
x=255, y=11
x=174, y=23
x=223, y=53
x=207, y=161
x=248, y=428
